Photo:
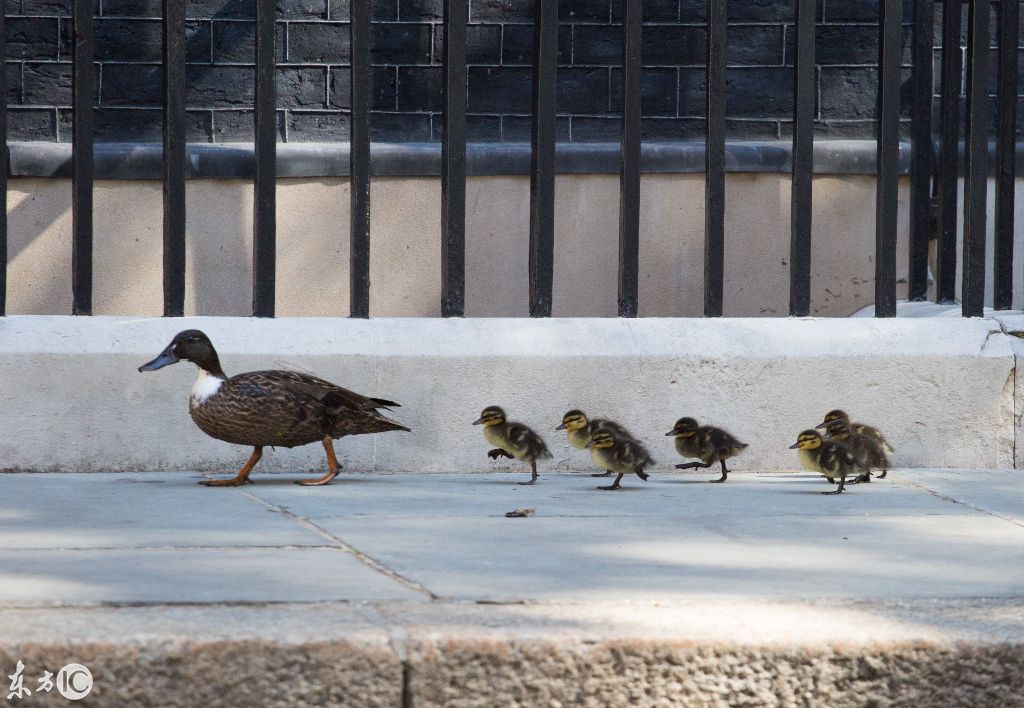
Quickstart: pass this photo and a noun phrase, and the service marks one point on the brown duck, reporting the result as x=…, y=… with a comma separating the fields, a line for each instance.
x=270, y=408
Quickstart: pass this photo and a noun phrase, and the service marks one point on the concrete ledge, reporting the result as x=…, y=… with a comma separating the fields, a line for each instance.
x=943, y=389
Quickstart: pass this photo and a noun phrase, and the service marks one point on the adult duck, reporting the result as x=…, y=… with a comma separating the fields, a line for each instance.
x=270, y=408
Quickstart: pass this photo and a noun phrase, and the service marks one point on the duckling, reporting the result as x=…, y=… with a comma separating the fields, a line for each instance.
x=579, y=429
x=708, y=444
x=831, y=458
x=860, y=428
x=867, y=449
x=270, y=408
x=618, y=454
x=512, y=440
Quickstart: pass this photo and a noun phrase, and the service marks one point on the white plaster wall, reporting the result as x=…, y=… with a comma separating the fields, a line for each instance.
x=942, y=389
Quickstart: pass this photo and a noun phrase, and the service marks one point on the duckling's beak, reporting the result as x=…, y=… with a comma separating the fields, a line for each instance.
x=821, y=426
x=561, y=427
x=589, y=444
x=670, y=433
x=794, y=446
x=167, y=357
x=478, y=421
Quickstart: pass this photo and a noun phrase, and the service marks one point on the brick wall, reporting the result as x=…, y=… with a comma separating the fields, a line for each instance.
x=313, y=80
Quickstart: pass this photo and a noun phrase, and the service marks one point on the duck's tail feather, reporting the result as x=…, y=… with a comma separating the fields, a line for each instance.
x=385, y=403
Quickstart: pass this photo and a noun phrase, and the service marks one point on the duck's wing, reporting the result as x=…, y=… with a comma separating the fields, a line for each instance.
x=527, y=442
x=611, y=425
x=334, y=398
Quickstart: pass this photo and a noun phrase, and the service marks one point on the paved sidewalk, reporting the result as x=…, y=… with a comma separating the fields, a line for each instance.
x=401, y=564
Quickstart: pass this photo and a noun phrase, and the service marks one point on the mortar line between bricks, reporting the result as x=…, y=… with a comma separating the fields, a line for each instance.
x=953, y=500
x=339, y=543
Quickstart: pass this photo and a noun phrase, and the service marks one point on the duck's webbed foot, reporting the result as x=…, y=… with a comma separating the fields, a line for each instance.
x=884, y=472
x=725, y=475
x=243, y=474
x=691, y=465
x=614, y=485
x=533, y=470
x=498, y=452
x=333, y=467
x=842, y=486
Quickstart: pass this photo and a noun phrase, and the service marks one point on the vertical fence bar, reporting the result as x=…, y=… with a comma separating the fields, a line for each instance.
x=714, y=160
x=265, y=205
x=542, y=166
x=3, y=169
x=1006, y=167
x=82, y=83
x=174, y=157
x=359, y=160
x=803, y=162
x=453, y=161
x=886, y=200
x=629, y=172
x=949, y=163
x=921, y=155
x=976, y=159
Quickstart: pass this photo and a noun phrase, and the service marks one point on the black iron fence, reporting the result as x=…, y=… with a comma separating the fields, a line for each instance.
x=935, y=164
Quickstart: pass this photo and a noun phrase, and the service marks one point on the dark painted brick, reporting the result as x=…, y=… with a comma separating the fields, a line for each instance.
x=746, y=10
x=31, y=38
x=133, y=125
x=660, y=129
x=518, y=128
x=517, y=46
x=47, y=84
x=754, y=45
x=235, y=42
x=583, y=10
x=382, y=88
x=595, y=44
x=849, y=93
x=319, y=42
x=581, y=90
x=136, y=8
x=135, y=85
x=60, y=8
x=399, y=127
x=654, y=10
x=759, y=93
x=752, y=129
x=31, y=124
x=479, y=129
x=504, y=89
x=501, y=11
x=301, y=87
x=246, y=9
x=400, y=44
x=657, y=92
x=381, y=10
x=420, y=10
x=865, y=10
x=483, y=44
x=847, y=44
x=419, y=88
x=666, y=44
x=141, y=40
x=237, y=126
x=587, y=129
x=218, y=86
x=306, y=127
x=12, y=72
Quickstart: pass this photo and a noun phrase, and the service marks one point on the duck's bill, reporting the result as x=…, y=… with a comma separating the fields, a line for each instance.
x=589, y=444
x=670, y=433
x=561, y=427
x=821, y=426
x=166, y=358
x=478, y=421
x=794, y=446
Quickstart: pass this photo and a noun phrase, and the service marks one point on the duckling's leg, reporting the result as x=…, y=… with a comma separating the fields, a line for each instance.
x=842, y=486
x=602, y=474
x=613, y=485
x=884, y=472
x=725, y=474
x=533, y=471
x=332, y=467
x=243, y=474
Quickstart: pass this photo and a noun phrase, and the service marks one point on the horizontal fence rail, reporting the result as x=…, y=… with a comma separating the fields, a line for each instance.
x=945, y=145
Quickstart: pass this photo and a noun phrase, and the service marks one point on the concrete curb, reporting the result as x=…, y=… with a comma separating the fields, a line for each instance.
x=943, y=388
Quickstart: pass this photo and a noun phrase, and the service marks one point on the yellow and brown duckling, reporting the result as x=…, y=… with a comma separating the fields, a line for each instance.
x=859, y=428
x=618, y=454
x=707, y=443
x=512, y=440
x=270, y=408
x=830, y=458
x=579, y=429
x=867, y=449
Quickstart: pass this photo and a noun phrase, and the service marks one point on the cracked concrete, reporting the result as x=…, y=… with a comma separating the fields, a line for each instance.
x=416, y=590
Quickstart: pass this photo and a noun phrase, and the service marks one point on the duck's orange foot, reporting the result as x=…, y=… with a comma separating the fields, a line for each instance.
x=326, y=479
x=233, y=482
